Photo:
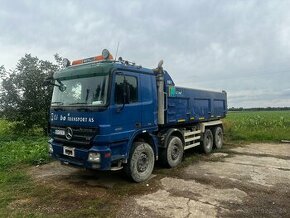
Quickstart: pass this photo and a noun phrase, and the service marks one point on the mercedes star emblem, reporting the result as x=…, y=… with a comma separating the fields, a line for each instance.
x=68, y=133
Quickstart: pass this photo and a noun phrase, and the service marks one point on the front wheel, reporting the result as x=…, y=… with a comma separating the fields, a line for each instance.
x=141, y=162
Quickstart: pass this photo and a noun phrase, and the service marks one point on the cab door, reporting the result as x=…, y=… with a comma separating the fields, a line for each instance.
x=126, y=105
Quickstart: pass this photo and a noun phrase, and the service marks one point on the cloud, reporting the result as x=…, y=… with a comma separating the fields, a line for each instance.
x=235, y=46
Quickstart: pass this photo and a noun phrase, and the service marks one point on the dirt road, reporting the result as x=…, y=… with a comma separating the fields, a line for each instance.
x=251, y=180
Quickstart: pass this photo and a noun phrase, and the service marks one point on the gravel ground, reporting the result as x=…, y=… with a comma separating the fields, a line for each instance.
x=247, y=181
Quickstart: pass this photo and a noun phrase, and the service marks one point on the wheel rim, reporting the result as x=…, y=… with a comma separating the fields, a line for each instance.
x=219, y=139
x=208, y=141
x=175, y=152
x=142, y=163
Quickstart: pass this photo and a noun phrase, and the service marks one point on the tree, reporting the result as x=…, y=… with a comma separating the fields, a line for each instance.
x=23, y=97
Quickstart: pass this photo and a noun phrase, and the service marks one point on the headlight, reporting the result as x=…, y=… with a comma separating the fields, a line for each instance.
x=94, y=157
x=50, y=149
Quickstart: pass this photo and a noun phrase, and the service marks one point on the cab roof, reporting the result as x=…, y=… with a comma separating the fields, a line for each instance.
x=98, y=68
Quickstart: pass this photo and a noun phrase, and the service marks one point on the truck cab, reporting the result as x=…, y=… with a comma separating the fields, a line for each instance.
x=98, y=109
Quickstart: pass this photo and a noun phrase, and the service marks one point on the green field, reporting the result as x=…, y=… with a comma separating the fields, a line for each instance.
x=18, y=151
x=257, y=126
x=29, y=147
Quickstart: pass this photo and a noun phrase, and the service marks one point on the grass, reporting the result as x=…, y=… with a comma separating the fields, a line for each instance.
x=257, y=126
x=17, y=151
x=21, y=148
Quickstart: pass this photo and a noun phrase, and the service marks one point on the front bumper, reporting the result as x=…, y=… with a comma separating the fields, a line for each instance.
x=80, y=158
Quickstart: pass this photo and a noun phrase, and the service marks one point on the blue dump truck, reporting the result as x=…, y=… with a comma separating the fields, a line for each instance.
x=110, y=114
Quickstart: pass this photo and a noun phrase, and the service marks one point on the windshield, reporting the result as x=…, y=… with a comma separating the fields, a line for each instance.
x=81, y=91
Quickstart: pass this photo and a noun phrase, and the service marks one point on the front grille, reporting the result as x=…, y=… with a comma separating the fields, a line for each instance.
x=82, y=137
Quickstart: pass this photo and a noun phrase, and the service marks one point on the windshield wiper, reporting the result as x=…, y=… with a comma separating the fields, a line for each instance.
x=57, y=102
x=58, y=109
x=78, y=103
x=84, y=109
x=81, y=103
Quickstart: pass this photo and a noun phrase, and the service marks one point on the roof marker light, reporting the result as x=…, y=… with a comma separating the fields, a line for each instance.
x=65, y=62
x=105, y=54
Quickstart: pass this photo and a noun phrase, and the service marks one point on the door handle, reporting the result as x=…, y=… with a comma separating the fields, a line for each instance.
x=138, y=125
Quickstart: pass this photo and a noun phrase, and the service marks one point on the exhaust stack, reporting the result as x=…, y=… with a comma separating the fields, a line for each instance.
x=160, y=88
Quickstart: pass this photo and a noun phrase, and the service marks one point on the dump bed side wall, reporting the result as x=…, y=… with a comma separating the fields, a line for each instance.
x=191, y=105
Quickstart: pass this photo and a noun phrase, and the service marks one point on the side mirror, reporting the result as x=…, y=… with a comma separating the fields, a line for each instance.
x=62, y=87
x=51, y=81
x=48, y=81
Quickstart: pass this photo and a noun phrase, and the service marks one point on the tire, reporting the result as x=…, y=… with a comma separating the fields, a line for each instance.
x=207, y=142
x=218, y=137
x=172, y=155
x=141, y=162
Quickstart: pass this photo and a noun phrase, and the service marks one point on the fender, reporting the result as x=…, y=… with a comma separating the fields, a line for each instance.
x=168, y=133
x=143, y=133
x=210, y=123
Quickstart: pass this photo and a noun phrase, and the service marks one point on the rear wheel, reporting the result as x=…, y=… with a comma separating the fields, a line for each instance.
x=172, y=155
x=207, y=142
x=218, y=137
x=141, y=162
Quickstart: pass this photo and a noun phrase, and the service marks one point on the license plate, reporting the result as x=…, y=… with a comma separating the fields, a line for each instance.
x=59, y=132
x=69, y=151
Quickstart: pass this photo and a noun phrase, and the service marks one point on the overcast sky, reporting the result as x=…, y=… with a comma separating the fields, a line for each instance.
x=242, y=47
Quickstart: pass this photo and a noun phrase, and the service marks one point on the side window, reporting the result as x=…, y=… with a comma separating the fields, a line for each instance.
x=119, y=86
x=127, y=84
x=132, y=89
